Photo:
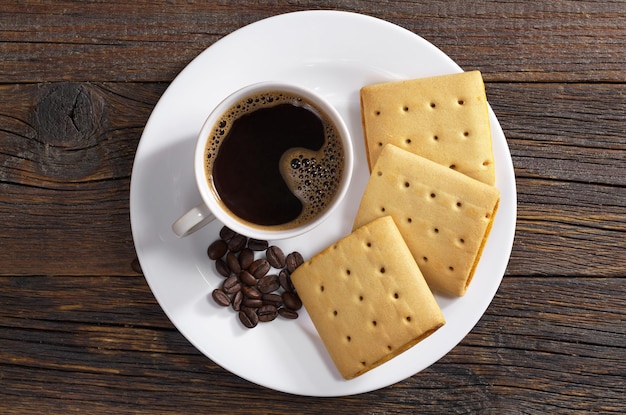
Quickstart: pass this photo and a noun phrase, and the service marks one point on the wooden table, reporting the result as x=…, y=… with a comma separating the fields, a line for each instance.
x=80, y=331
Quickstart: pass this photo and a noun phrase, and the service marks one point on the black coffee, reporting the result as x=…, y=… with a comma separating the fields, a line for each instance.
x=275, y=160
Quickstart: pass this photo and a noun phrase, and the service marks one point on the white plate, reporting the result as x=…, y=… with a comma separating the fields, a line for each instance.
x=333, y=53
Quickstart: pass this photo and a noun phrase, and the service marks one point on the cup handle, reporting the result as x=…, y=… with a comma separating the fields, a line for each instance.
x=193, y=220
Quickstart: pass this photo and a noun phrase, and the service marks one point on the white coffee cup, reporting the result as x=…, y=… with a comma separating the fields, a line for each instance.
x=213, y=206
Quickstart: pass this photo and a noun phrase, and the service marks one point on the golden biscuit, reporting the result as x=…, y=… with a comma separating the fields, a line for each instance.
x=444, y=216
x=367, y=298
x=443, y=118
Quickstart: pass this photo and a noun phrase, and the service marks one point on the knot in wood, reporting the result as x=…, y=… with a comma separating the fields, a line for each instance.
x=69, y=116
x=69, y=121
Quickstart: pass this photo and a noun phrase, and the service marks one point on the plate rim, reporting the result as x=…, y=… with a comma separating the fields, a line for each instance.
x=224, y=41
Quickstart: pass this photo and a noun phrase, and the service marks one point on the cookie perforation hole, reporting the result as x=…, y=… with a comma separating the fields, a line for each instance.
x=407, y=184
x=369, y=244
x=451, y=268
x=465, y=133
x=436, y=230
x=405, y=108
x=382, y=209
x=360, y=298
x=374, y=323
x=382, y=270
x=408, y=319
x=377, y=113
x=321, y=288
x=436, y=137
x=396, y=296
x=425, y=259
x=348, y=338
x=460, y=102
x=409, y=220
x=335, y=313
x=459, y=204
x=408, y=141
x=433, y=105
x=380, y=144
x=433, y=195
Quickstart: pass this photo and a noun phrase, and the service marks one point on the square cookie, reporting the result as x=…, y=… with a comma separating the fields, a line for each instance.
x=367, y=298
x=443, y=118
x=444, y=216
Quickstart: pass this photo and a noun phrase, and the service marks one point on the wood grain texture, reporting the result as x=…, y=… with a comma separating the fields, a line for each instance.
x=568, y=154
x=147, y=41
x=67, y=153
x=80, y=331
x=538, y=349
x=568, y=144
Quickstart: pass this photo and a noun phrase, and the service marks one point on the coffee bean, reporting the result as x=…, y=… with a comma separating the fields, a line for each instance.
x=285, y=312
x=136, y=266
x=217, y=249
x=237, y=300
x=273, y=299
x=268, y=283
x=220, y=297
x=233, y=263
x=275, y=257
x=257, y=244
x=231, y=285
x=246, y=257
x=267, y=313
x=251, y=292
x=259, y=267
x=222, y=268
x=226, y=233
x=252, y=302
x=237, y=243
x=293, y=261
x=248, y=317
x=292, y=300
x=285, y=280
x=247, y=278
x=248, y=288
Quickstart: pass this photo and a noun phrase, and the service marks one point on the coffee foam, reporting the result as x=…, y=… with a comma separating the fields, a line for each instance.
x=313, y=177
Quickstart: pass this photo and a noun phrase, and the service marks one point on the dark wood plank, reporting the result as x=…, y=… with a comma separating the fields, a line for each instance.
x=573, y=132
x=569, y=153
x=66, y=155
x=115, y=41
x=68, y=343
x=67, y=148
x=522, y=41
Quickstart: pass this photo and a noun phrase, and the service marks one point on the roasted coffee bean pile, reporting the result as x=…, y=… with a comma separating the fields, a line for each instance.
x=259, y=289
